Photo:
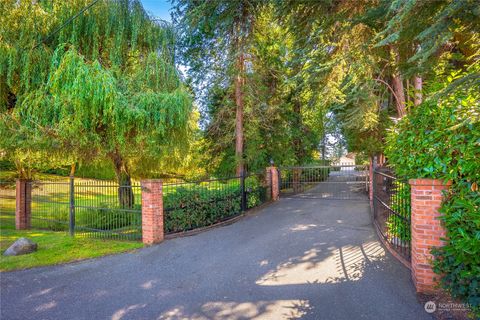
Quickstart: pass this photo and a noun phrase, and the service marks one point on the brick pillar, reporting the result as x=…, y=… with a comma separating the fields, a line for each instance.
x=427, y=230
x=23, y=205
x=272, y=176
x=152, y=211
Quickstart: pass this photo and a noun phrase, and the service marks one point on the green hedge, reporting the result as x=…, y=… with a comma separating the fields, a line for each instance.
x=195, y=205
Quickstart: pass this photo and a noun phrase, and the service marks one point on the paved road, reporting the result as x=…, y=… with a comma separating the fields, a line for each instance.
x=298, y=258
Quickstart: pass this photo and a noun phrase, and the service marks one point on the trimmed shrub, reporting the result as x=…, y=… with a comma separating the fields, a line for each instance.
x=191, y=206
x=195, y=206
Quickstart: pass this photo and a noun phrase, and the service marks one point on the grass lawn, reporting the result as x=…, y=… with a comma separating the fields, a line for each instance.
x=57, y=247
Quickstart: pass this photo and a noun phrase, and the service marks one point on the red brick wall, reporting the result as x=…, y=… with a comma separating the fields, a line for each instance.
x=23, y=199
x=427, y=230
x=152, y=211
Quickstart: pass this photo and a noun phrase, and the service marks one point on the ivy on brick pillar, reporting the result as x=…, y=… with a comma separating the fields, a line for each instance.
x=23, y=204
x=152, y=211
x=427, y=230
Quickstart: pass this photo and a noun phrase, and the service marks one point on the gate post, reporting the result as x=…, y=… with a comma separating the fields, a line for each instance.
x=426, y=229
x=272, y=180
x=71, y=211
x=152, y=211
x=370, y=182
x=243, y=192
x=23, y=204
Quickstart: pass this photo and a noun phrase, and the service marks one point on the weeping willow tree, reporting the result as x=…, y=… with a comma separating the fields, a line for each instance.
x=81, y=80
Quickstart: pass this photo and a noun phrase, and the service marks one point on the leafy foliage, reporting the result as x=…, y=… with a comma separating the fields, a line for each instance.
x=283, y=115
x=440, y=139
x=102, y=86
x=459, y=261
x=191, y=208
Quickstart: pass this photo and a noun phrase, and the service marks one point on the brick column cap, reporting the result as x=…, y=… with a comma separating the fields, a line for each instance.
x=429, y=182
x=151, y=180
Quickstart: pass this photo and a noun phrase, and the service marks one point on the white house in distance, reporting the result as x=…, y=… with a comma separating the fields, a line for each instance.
x=345, y=160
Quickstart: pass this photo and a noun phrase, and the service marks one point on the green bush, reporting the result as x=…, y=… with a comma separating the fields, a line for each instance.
x=438, y=140
x=459, y=260
x=195, y=206
x=256, y=191
x=398, y=228
x=441, y=140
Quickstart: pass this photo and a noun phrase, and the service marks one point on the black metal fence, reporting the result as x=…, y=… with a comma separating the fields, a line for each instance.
x=106, y=209
x=342, y=182
x=191, y=205
x=7, y=204
x=392, y=210
x=87, y=208
x=50, y=204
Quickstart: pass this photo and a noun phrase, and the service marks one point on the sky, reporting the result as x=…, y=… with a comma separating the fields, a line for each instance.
x=159, y=8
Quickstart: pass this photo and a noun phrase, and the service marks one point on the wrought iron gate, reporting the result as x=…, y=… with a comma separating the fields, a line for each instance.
x=336, y=182
x=392, y=211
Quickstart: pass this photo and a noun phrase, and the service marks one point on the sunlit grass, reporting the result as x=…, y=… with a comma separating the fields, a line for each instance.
x=57, y=247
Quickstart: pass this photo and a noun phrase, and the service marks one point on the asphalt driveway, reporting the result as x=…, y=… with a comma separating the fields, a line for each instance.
x=297, y=258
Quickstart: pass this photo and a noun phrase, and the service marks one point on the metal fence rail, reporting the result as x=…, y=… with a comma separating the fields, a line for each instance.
x=88, y=208
x=191, y=205
x=7, y=204
x=50, y=205
x=106, y=209
x=336, y=182
x=391, y=210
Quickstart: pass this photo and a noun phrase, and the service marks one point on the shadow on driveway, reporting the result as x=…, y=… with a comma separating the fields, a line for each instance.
x=296, y=259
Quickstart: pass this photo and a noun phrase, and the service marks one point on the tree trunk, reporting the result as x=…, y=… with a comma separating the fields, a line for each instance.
x=239, y=102
x=418, y=86
x=397, y=84
x=125, y=192
x=72, y=169
x=297, y=139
